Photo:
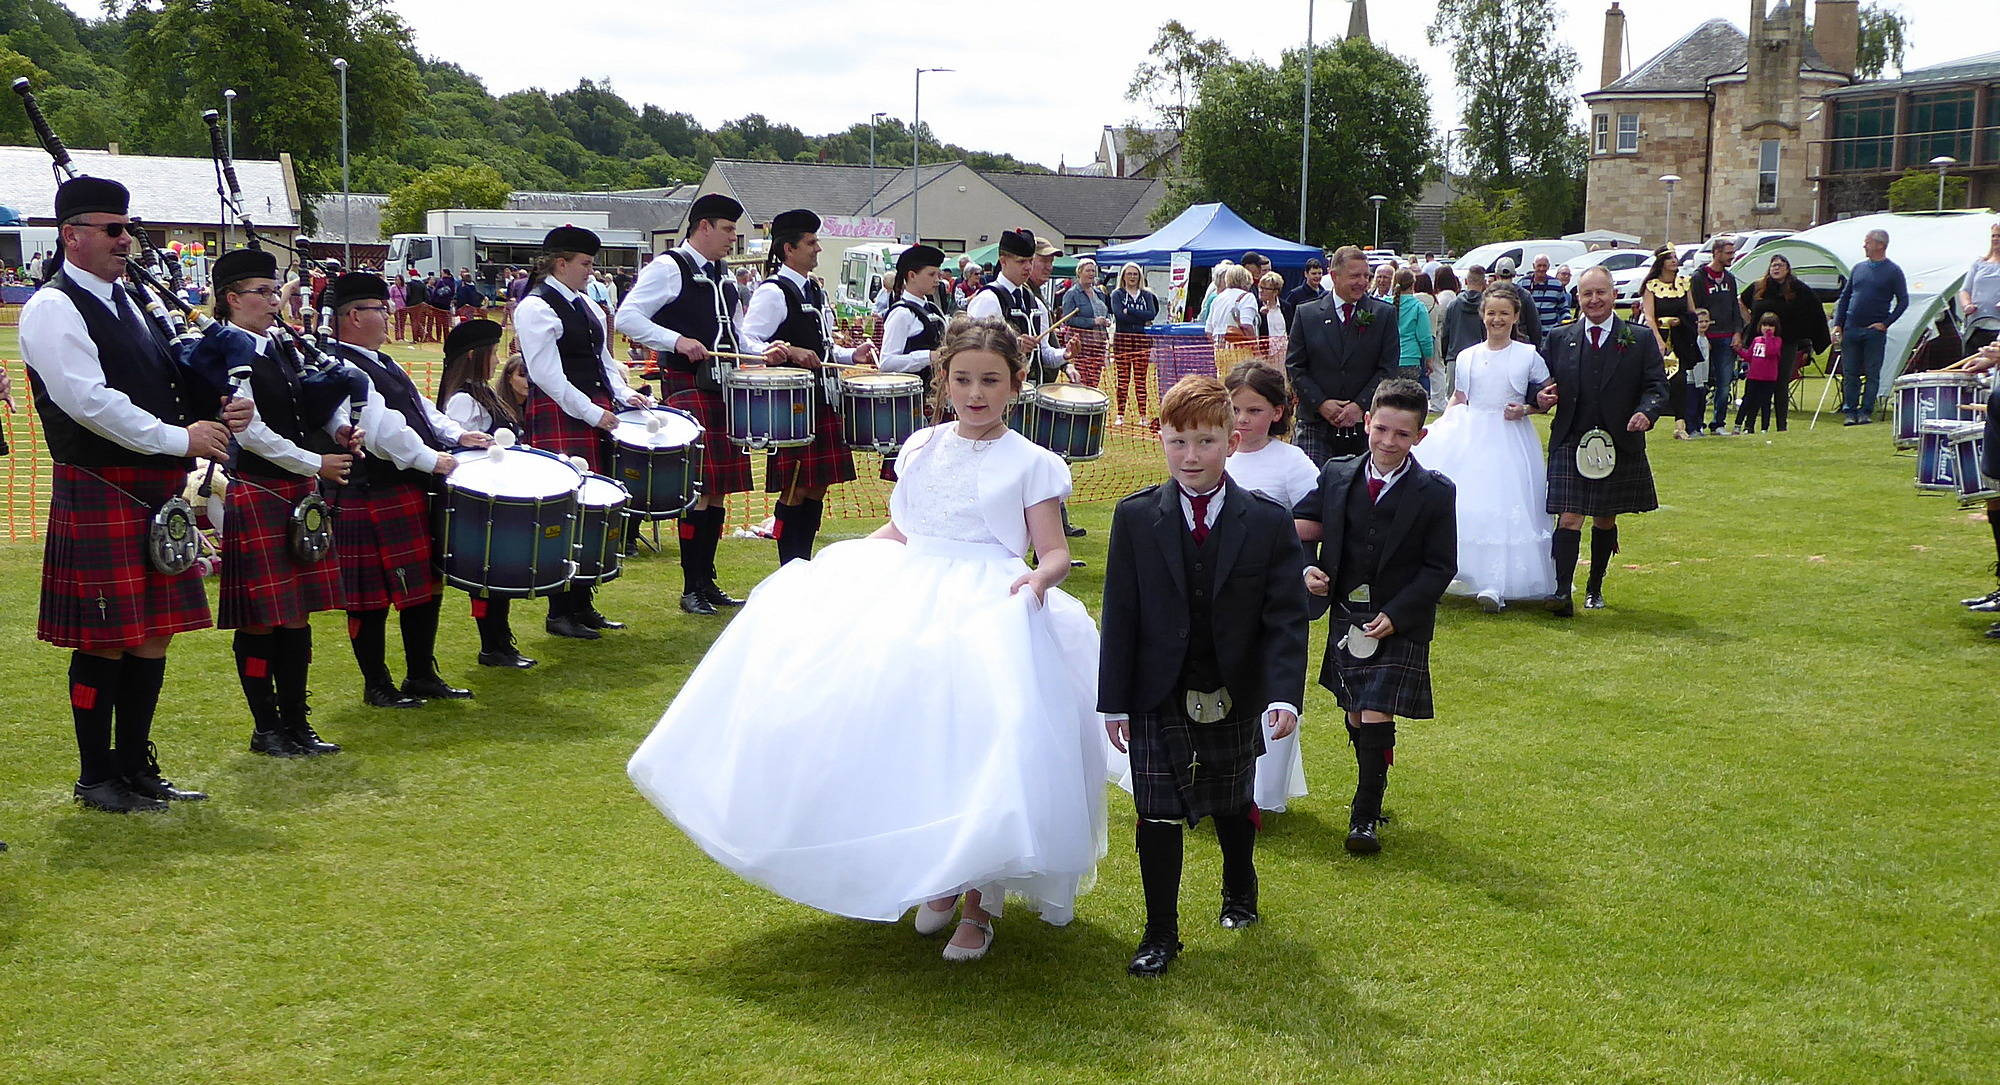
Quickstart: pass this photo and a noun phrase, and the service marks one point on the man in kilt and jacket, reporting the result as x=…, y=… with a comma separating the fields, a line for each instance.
x=1608, y=385
x=269, y=590
x=1383, y=532
x=123, y=424
x=790, y=309
x=1203, y=645
x=1340, y=347
x=574, y=386
x=682, y=307
x=382, y=518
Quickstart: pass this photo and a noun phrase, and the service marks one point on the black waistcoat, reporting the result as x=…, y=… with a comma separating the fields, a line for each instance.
x=701, y=311
x=1011, y=310
x=1199, y=668
x=802, y=325
x=138, y=367
x=1367, y=526
x=581, y=346
x=930, y=330
x=400, y=393
x=276, y=386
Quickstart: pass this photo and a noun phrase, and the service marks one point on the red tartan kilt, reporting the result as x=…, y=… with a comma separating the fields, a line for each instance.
x=262, y=583
x=382, y=540
x=99, y=592
x=552, y=430
x=825, y=462
x=725, y=468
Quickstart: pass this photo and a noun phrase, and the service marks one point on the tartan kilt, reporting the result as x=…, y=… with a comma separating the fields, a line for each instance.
x=263, y=584
x=825, y=462
x=1629, y=488
x=99, y=591
x=1396, y=680
x=1321, y=442
x=1182, y=770
x=382, y=539
x=551, y=429
x=725, y=468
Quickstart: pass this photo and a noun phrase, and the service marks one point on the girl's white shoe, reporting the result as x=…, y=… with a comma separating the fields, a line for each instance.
x=970, y=953
x=930, y=920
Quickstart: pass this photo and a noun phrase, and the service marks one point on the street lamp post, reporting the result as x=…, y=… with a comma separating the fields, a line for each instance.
x=1306, y=126
x=346, y=197
x=873, y=120
x=917, y=152
x=1669, y=180
x=1378, y=201
x=229, y=149
x=1943, y=163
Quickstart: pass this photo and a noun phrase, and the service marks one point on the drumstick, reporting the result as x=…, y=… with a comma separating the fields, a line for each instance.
x=1054, y=326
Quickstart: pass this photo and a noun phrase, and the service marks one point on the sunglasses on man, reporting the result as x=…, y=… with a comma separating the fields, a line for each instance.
x=111, y=229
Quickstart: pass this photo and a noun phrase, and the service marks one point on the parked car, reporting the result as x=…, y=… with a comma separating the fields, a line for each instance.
x=1627, y=267
x=1747, y=242
x=1523, y=253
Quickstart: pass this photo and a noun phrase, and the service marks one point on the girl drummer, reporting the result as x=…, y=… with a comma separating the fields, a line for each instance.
x=468, y=397
x=914, y=325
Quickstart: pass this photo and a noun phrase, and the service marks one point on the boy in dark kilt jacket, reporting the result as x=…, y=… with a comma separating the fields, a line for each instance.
x=1608, y=385
x=573, y=385
x=382, y=521
x=681, y=307
x=269, y=593
x=789, y=309
x=121, y=420
x=1383, y=532
x=1203, y=646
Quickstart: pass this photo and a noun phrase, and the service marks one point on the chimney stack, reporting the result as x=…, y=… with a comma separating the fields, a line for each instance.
x=1837, y=33
x=1614, y=46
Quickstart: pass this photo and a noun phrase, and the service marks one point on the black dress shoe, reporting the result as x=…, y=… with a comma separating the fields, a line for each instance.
x=1361, y=838
x=594, y=620
x=718, y=598
x=274, y=744
x=154, y=786
x=1073, y=531
x=1594, y=601
x=1563, y=606
x=1988, y=604
x=387, y=697
x=567, y=626
x=1239, y=910
x=632, y=549
x=1153, y=956
x=692, y=602
x=308, y=741
x=113, y=797
x=433, y=688
x=508, y=658
x=1994, y=632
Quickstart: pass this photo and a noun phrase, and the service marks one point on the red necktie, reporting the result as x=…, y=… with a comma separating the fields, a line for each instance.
x=1200, y=503
x=1346, y=315
x=1375, y=489
x=1596, y=338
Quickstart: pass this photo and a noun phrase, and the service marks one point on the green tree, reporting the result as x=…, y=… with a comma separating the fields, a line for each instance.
x=1885, y=32
x=14, y=126
x=1370, y=118
x=1917, y=190
x=1517, y=79
x=1168, y=86
x=1472, y=221
x=444, y=186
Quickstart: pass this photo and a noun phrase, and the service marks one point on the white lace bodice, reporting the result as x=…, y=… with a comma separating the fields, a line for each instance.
x=943, y=490
x=1491, y=379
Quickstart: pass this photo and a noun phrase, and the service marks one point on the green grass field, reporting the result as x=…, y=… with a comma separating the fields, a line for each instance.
x=1740, y=827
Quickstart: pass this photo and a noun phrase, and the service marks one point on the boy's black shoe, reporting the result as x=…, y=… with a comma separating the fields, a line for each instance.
x=1594, y=601
x=1154, y=954
x=1239, y=910
x=1361, y=839
x=693, y=602
x=1563, y=606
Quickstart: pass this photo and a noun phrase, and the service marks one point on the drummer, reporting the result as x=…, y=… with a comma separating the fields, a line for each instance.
x=914, y=325
x=789, y=308
x=573, y=385
x=467, y=396
x=1011, y=297
x=382, y=522
x=683, y=307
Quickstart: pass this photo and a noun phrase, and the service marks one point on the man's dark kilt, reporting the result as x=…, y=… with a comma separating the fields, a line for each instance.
x=823, y=463
x=1187, y=770
x=551, y=429
x=382, y=540
x=99, y=591
x=725, y=468
x=1629, y=488
x=263, y=584
x=1396, y=680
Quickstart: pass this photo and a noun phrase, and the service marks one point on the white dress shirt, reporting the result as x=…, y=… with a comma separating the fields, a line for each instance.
x=58, y=348
x=767, y=313
x=537, y=327
x=897, y=329
x=387, y=433
x=1389, y=480
x=985, y=306
x=659, y=284
x=264, y=441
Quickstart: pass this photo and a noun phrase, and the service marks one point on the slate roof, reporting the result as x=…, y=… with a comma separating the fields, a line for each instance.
x=164, y=190
x=1714, y=48
x=628, y=212
x=1984, y=68
x=767, y=188
x=1079, y=205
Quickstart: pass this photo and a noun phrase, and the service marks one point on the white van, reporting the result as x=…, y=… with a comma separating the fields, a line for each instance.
x=1522, y=252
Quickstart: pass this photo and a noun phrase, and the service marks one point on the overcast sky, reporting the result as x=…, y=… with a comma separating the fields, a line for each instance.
x=1040, y=92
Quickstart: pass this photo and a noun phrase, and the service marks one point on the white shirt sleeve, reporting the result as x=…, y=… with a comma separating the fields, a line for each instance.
x=985, y=305
x=537, y=328
x=761, y=321
x=1300, y=476
x=444, y=425
x=388, y=434
x=896, y=332
x=57, y=346
x=261, y=439
x=466, y=411
x=659, y=284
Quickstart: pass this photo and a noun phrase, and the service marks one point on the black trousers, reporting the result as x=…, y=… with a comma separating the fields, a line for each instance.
x=1758, y=399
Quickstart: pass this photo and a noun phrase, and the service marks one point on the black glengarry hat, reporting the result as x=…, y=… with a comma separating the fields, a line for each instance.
x=470, y=336
x=1017, y=243
x=918, y=257
x=91, y=195
x=237, y=265
x=571, y=239
x=714, y=206
x=359, y=286
x=794, y=223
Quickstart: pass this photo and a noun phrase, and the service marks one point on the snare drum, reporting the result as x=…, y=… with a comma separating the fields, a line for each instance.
x=1017, y=408
x=769, y=408
x=1931, y=397
x=1937, y=470
x=600, y=529
x=1068, y=420
x=656, y=458
x=879, y=411
x=1972, y=484
x=508, y=522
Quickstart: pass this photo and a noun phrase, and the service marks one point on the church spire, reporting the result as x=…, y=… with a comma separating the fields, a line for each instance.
x=1357, y=20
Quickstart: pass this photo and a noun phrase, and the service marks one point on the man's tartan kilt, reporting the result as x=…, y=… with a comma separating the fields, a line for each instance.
x=1321, y=442
x=1629, y=488
x=725, y=468
x=823, y=463
x=1396, y=680
x=99, y=591
x=1187, y=770
x=263, y=584
x=553, y=430
x=382, y=539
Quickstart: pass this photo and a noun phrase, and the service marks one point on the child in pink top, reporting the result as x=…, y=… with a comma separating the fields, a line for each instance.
x=1760, y=386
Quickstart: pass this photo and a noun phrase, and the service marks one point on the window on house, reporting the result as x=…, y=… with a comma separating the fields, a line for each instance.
x=1628, y=133
x=1767, y=174
x=1600, y=134
x=1862, y=131
x=1940, y=124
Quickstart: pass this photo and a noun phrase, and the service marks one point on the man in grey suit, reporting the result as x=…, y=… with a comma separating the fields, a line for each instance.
x=1341, y=346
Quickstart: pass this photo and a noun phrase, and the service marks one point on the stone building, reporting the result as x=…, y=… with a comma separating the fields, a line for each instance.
x=1737, y=117
x=1883, y=127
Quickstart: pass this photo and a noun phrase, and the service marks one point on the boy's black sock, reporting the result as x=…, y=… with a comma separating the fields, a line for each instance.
x=1160, y=874
x=1374, y=752
x=1563, y=547
x=1238, y=839
x=1603, y=544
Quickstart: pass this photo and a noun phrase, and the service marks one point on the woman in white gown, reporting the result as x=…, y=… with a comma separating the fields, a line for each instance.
x=1488, y=446
x=911, y=716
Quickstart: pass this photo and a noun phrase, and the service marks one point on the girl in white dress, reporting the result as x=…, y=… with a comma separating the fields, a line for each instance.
x=911, y=716
x=1487, y=445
